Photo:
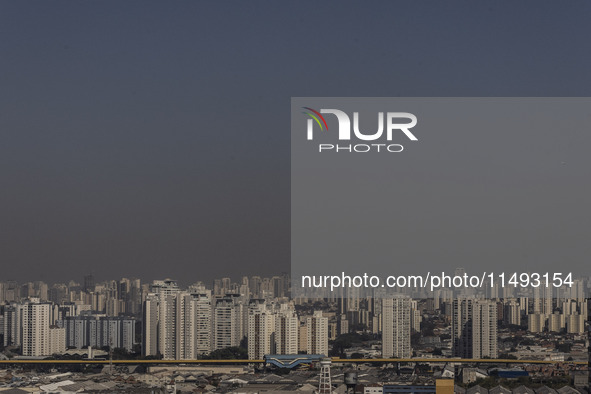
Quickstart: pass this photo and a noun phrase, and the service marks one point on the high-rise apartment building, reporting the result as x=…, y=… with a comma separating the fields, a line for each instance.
x=543, y=300
x=36, y=317
x=575, y=324
x=12, y=324
x=177, y=324
x=150, y=325
x=317, y=335
x=98, y=331
x=415, y=317
x=227, y=322
x=261, y=330
x=286, y=332
x=556, y=322
x=474, y=328
x=159, y=326
x=512, y=312
x=194, y=326
x=536, y=322
x=396, y=327
x=57, y=340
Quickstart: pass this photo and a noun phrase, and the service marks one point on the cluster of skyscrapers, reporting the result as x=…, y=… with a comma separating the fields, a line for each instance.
x=41, y=320
x=164, y=320
x=191, y=323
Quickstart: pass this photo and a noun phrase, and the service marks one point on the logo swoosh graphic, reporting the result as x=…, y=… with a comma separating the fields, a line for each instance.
x=315, y=118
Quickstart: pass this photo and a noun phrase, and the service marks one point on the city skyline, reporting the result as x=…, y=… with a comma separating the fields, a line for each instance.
x=256, y=322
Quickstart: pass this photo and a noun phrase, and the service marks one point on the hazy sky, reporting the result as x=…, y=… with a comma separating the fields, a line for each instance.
x=151, y=139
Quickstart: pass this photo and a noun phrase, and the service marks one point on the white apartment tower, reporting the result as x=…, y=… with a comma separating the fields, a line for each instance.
x=286, y=332
x=167, y=326
x=396, y=315
x=536, y=322
x=57, y=340
x=194, y=325
x=474, y=328
x=202, y=307
x=36, y=320
x=415, y=317
x=261, y=330
x=167, y=291
x=177, y=324
x=317, y=335
x=512, y=312
x=150, y=325
x=227, y=323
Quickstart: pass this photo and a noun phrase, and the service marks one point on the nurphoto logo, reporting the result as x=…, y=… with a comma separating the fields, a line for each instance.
x=396, y=123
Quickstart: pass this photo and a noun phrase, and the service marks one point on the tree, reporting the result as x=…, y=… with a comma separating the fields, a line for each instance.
x=120, y=353
x=507, y=356
x=229, y=353
x=346, y=341
x=563, y=347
